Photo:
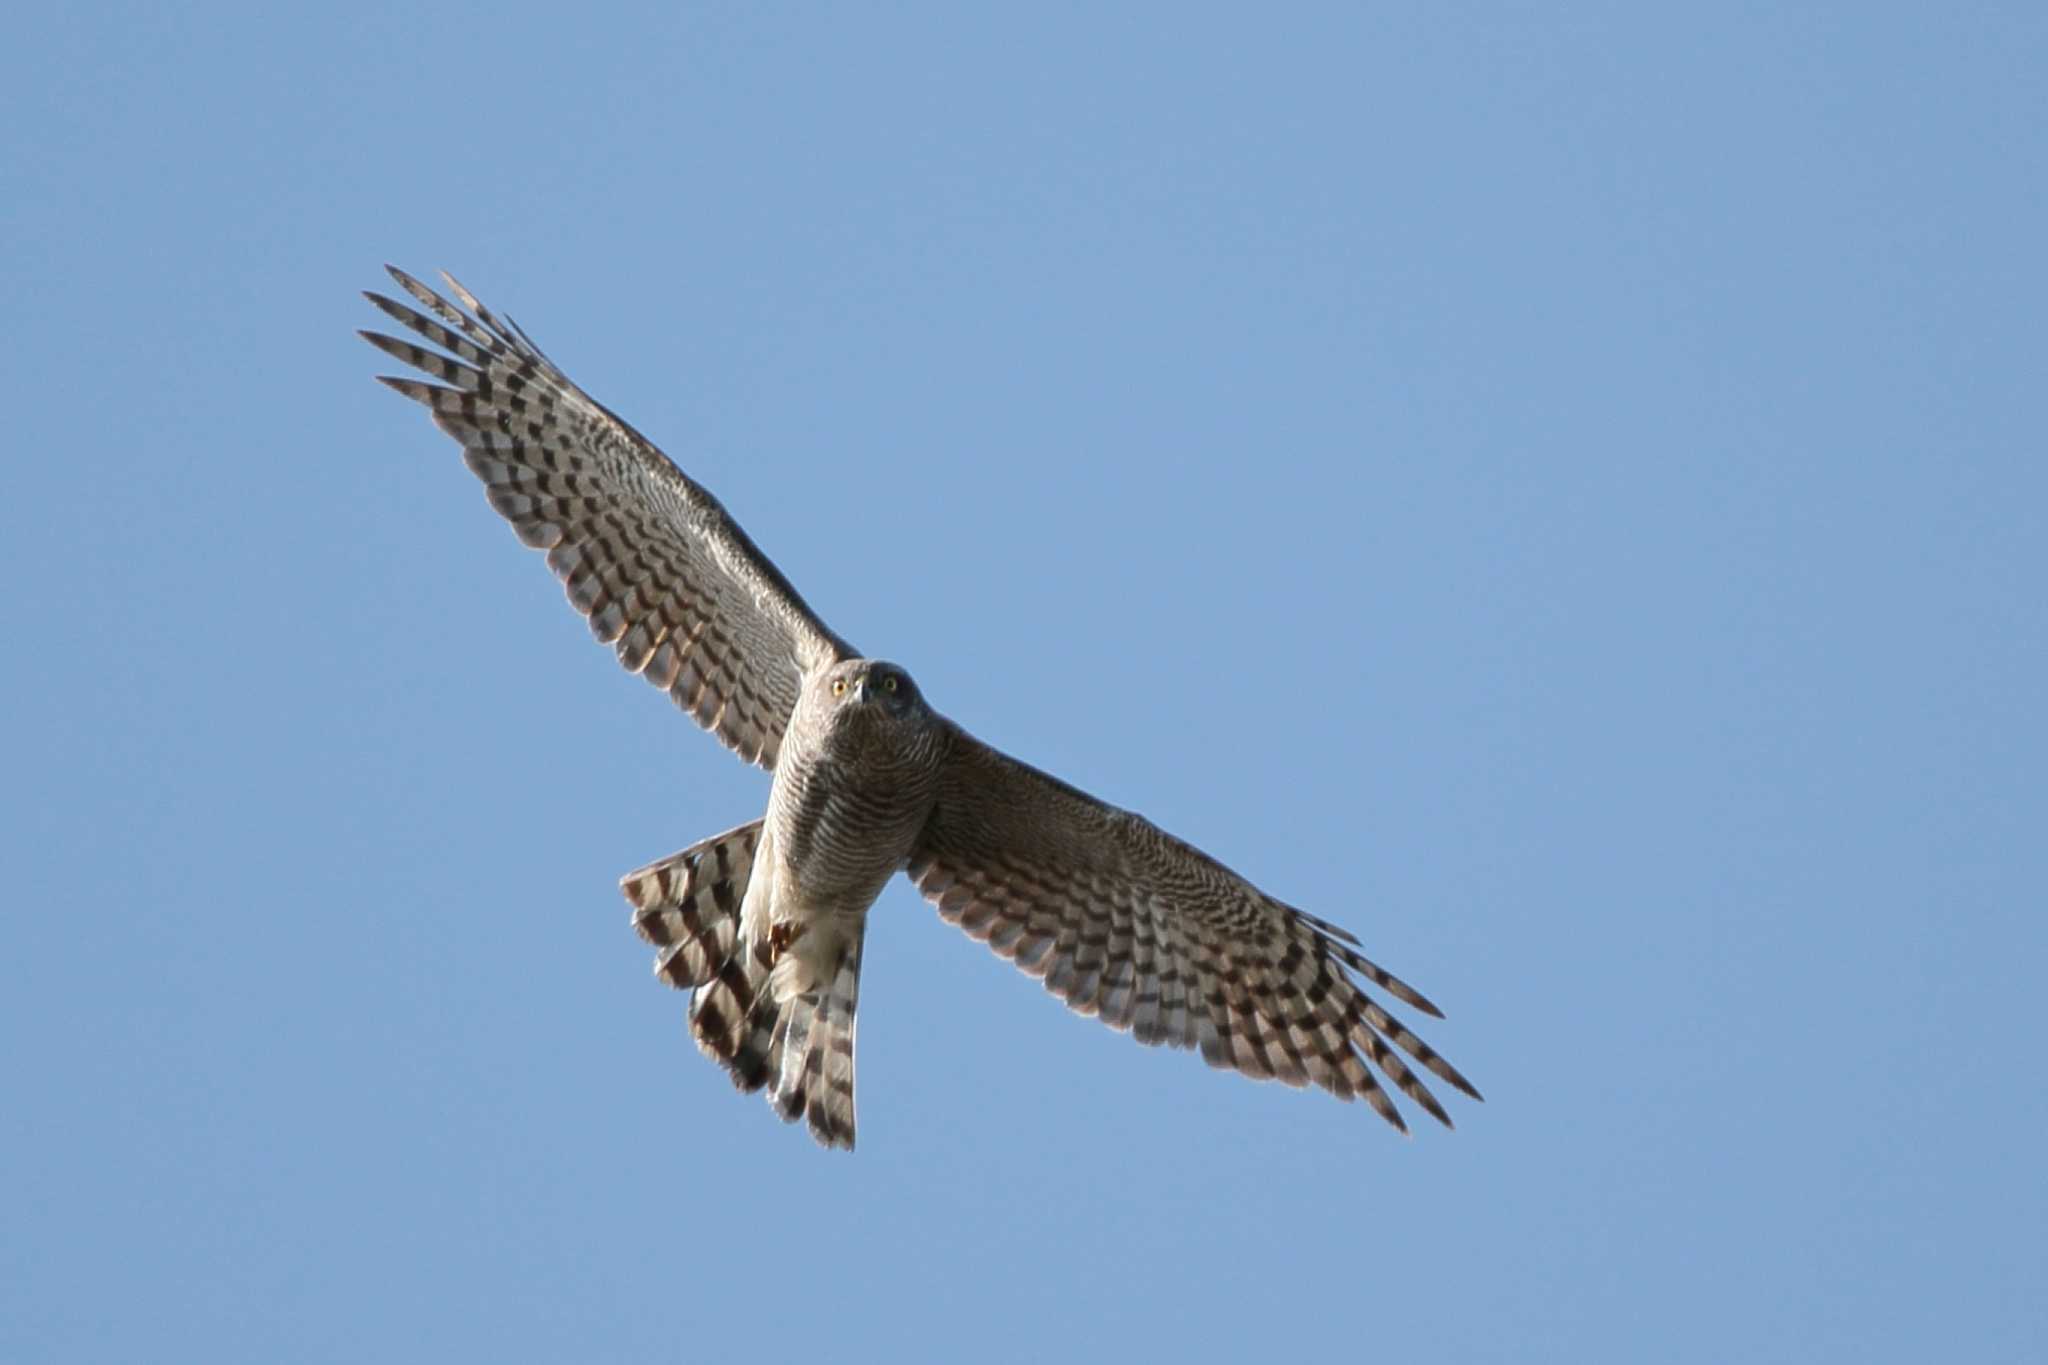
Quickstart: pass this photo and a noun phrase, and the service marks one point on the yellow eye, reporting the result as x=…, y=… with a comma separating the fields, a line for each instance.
x=839, y=687
x=889, y=683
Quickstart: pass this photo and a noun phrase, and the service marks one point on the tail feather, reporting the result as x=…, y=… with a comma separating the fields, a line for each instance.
x=735, y=1020
x=689, y=904
x=812, y=1047
x=799, y=1046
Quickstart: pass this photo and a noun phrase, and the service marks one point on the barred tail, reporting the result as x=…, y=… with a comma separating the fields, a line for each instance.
x=688, y=904
x=812, y=1046
x=800, y=1047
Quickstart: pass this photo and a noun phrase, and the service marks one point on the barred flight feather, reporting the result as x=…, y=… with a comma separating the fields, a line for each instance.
x=764, y=924
x=644, y=552
x=1129, y=924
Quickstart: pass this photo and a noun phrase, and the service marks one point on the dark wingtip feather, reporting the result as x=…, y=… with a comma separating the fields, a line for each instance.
x=467, y=299
x=1405, y=993
x=417, y=390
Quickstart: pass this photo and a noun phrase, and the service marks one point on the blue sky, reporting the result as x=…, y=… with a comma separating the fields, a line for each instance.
x=1558, y=492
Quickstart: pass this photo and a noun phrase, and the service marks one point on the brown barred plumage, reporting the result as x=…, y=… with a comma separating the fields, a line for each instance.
x=688, y=904
x=1121, y=919
x=647, y=555
x=764, y=924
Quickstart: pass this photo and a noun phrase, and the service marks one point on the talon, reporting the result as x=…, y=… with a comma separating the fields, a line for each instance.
x=780, y=936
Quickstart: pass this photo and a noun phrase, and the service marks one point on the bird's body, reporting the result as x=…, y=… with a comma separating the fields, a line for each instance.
x=765, y=923
x=853, y=788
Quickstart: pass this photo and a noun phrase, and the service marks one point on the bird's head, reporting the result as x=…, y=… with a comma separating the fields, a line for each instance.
x=870, y=689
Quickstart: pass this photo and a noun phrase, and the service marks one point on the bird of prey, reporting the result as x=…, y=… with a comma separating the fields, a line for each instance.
x=763, y=924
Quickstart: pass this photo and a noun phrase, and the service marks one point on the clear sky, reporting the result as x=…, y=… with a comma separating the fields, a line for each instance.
x=1558, y=490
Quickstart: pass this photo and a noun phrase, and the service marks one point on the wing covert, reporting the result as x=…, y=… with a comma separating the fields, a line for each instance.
x=654, y=562
x=1151, y=935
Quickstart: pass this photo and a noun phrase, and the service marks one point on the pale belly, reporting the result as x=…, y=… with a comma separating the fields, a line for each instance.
x=829, y=846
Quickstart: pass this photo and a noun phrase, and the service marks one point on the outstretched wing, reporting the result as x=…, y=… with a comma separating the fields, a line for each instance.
x=1148, y=933
x=664, y=575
